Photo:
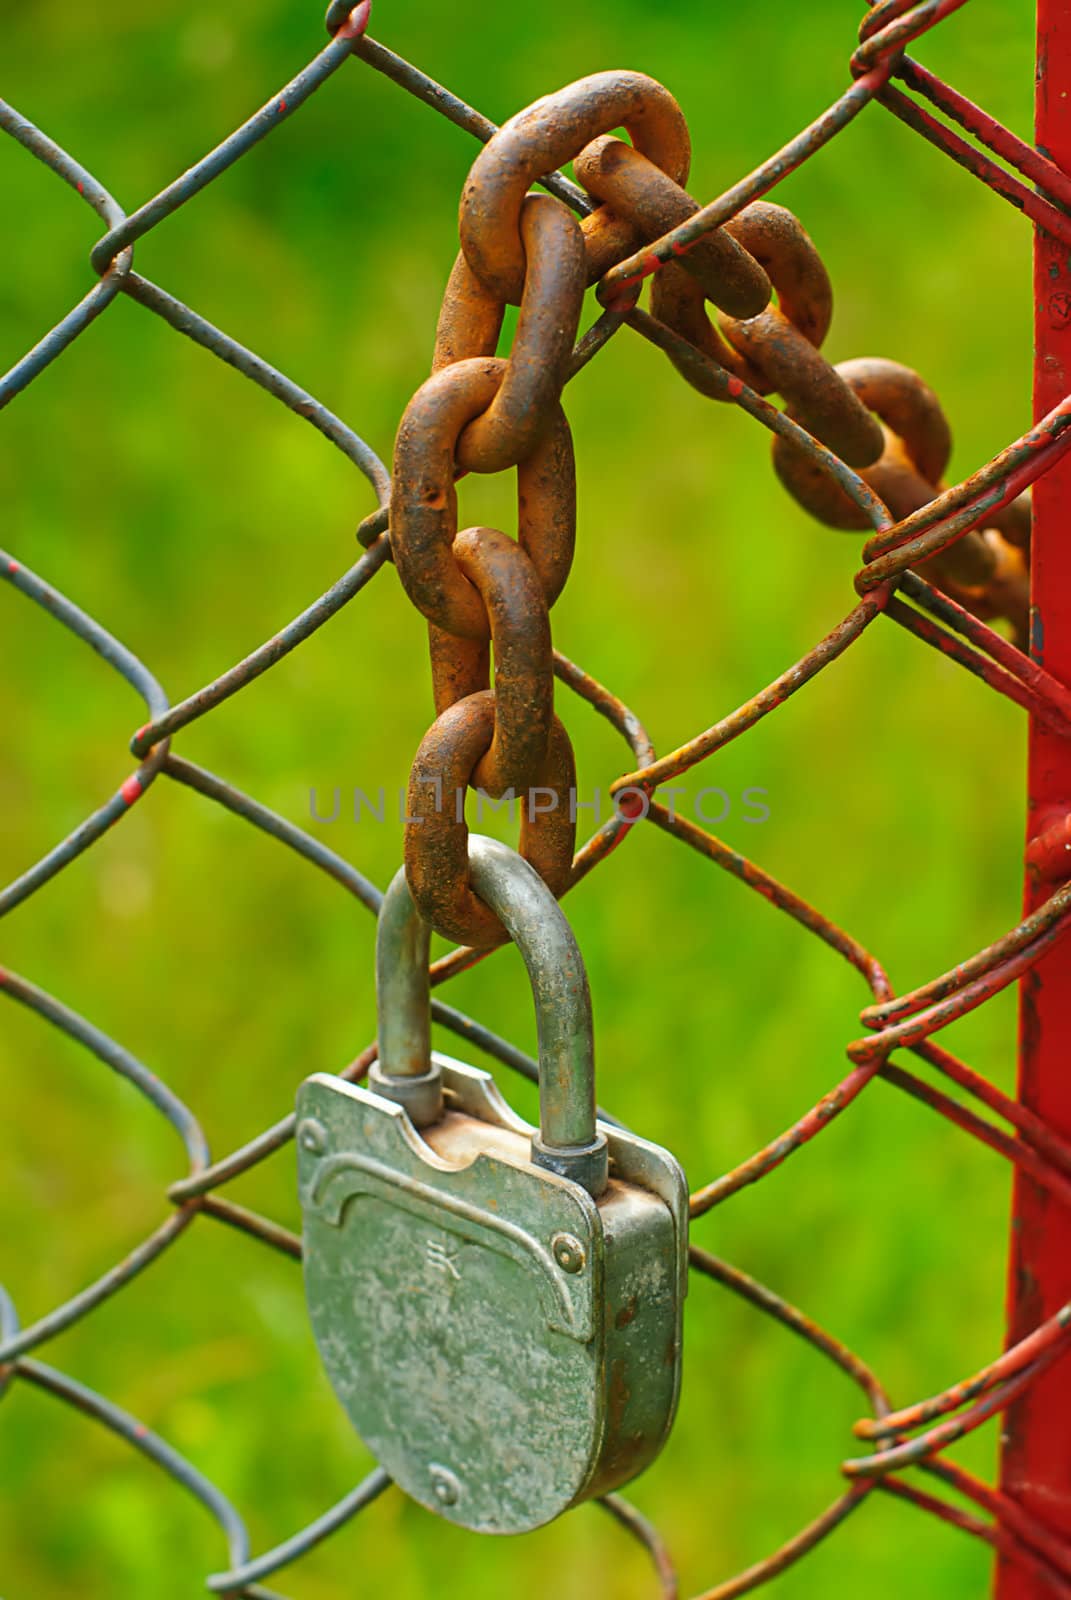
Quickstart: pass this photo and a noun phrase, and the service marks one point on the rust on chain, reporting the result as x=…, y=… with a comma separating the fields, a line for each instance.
x=635, y=188
x=794, y=368
x=458, y=666
x=470, y=320
x=544, y=136
x=477, y=413
x=423, y=516
x=469, y=324
x=509, y=587
x=781, y=256
x=436, y=838
x=983, y=570
x=776, y=348
x=917, y=438
x=778, y=240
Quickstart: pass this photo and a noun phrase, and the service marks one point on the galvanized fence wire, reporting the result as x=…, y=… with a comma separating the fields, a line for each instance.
x=911, y=1437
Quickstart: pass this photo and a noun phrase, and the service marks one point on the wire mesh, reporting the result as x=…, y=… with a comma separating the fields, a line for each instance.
x=915, y=1436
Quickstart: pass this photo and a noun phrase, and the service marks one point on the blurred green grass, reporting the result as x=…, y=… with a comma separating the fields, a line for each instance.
x=194, y=516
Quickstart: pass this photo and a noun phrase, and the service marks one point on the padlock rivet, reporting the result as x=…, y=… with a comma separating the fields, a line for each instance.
x=445, y=1486
x=568, y=1252
x=312, y=1136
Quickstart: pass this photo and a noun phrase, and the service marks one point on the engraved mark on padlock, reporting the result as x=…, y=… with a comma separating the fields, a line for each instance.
x=443, y=1259
x=499, y=1317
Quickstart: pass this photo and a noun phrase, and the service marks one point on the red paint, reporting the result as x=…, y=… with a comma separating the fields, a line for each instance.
x=282, y=106
x=623, y=296
x=995, y=177
x=993, y=134
x=1036, y=1462
x=898, y=32
x=357, y=21
x=736, y=387
x=875, y=80
x=132, y=789
x=1021, y=478
x=631, y=804
x=13, y=566
x=1049, y=852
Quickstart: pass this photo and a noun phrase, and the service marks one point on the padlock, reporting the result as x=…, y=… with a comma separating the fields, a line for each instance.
x=497, y=1307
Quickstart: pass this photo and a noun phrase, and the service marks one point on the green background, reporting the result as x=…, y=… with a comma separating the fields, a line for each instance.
x=194, y=516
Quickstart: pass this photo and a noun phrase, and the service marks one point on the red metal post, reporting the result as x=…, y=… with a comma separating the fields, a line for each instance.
x=1036, y=1465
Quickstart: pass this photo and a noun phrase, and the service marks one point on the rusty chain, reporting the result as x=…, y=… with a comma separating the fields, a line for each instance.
x=481, y=591
x=863, y=445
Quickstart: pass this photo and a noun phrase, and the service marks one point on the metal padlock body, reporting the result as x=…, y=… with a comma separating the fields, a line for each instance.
x=505, y=1343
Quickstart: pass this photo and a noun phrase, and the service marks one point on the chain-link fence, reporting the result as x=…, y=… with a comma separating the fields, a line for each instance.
x=940, y=563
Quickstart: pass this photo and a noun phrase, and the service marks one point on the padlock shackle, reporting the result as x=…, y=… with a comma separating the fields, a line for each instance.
x=404, y=1071
x=403, y=992
x=569, y=1141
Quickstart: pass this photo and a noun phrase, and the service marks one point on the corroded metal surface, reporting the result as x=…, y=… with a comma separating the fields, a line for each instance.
x=941, y=609
x=482, y=414
x=506, y=1345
